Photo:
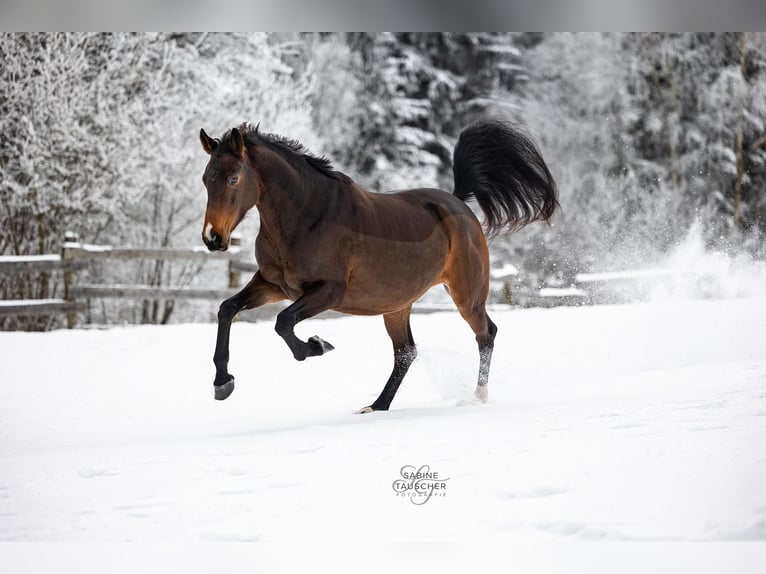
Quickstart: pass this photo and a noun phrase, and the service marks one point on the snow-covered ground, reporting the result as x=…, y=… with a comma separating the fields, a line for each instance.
x=626, y=422
x=635, y=422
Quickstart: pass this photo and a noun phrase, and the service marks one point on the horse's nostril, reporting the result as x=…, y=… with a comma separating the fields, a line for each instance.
x=213, y=240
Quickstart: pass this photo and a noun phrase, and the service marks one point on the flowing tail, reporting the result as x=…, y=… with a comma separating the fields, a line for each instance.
x=500, y=166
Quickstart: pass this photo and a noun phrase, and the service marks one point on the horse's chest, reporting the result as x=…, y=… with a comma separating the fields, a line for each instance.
x=284, y=271
x=280, y=274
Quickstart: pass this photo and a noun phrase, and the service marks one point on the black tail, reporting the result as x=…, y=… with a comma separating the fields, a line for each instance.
x=501, y=167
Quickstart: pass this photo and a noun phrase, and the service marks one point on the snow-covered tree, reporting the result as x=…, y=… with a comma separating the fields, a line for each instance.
x=641, y=131
x=100, y=136
x=418, y=91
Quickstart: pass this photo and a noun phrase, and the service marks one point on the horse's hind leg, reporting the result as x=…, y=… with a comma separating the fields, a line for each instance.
x=398, y=328
x=486, y=343
x=469, y=289
x=485, y=331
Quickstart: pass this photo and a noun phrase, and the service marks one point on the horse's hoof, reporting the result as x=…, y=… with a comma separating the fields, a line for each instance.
x=320, y=346
x=365, y=410
x=481, y=393
x=223, y=391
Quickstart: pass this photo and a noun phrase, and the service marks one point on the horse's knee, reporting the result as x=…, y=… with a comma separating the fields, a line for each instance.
x=227, y=310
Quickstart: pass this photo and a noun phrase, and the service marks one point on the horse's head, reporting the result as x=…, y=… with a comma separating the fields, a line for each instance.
x=232, y=187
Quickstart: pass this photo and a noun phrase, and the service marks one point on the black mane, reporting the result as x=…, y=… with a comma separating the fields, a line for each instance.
x=293, y=148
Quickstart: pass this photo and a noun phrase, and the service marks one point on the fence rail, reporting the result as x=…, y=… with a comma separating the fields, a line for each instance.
x=146, y=292
x=76, y=256
x=35, y=263
x=83, y=251
x=40, y=307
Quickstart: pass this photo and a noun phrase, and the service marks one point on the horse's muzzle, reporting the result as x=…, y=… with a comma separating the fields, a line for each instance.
x=216, y=242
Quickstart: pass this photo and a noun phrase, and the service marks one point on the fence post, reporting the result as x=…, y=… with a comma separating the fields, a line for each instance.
x=507, y=298
x=70, y=277
x=236, y=241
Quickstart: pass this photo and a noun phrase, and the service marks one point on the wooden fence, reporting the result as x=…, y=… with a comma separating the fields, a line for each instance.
x=76, y=256
x=586, y=288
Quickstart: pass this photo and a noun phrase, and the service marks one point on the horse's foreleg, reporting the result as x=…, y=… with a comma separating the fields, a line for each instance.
x=256, y=293
x=405, y=352
x=318, y=297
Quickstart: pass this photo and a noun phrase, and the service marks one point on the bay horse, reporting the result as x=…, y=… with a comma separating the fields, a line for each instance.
x=326, y=243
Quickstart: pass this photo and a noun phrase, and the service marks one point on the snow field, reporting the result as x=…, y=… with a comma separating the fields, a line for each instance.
x=637, y=422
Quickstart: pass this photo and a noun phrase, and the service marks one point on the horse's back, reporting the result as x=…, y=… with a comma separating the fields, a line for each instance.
x=434, y=201
x=406, y=242
x=408, y=215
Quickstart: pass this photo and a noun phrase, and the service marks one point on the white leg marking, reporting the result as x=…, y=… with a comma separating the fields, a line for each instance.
x=482, y=393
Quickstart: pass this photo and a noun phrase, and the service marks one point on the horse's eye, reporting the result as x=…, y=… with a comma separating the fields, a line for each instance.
x=233, y=179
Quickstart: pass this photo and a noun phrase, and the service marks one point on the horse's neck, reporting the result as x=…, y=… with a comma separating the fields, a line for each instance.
x=288, y=200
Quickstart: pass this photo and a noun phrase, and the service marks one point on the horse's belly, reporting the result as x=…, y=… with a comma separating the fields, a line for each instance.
x=386, y=276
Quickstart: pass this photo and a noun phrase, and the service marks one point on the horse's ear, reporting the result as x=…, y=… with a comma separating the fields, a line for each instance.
x=237, y=144
x=208, y=143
